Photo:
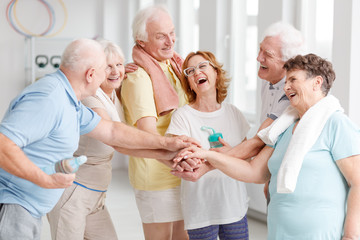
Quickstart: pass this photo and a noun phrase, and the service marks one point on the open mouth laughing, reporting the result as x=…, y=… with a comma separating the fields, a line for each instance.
x=291, y=95
x=263, y=67
x=113, y=79
x=201, y=80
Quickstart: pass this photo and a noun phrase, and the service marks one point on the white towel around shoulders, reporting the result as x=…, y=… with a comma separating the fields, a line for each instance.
x=270, y=134
x=305, y=135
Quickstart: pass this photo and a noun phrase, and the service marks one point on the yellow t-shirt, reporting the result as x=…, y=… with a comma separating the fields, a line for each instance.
x=138, y=100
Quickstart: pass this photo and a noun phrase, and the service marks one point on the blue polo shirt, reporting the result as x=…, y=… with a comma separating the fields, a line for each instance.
x=45, y=121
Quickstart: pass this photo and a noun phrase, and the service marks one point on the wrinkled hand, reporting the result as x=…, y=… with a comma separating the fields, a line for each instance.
x=194, y=175
x=192, y=152
x=191, y=141
x=183, y=163
x=182, y=154
x=189, y=165
x=131, y=67
x=59, y=180
x=225, y=148
x=179, y=142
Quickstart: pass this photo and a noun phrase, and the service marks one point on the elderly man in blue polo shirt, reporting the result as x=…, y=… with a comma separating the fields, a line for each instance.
x=43, y=125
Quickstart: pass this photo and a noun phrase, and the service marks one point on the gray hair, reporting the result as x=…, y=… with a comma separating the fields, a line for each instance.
x=76, y=55
x=314, y=66
x=141, y=19
x=111, y=49
x=292, y=39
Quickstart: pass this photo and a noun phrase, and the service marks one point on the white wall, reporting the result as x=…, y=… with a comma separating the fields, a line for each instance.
x=83, y=21
x=111, y=19
x=346, y=51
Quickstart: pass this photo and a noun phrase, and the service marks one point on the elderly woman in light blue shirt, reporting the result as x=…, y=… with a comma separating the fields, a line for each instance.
x=325, y=201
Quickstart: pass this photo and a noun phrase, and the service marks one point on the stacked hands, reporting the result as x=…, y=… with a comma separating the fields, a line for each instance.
x=188, y=161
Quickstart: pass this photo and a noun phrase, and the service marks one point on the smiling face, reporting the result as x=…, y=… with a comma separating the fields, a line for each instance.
x=115, y=72
x=204, y=78
x=303, y=92
x=270, y=59
x=161, y=37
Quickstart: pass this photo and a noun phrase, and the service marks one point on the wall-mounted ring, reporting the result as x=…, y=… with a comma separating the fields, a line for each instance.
x=41, y=61
x=55, y=61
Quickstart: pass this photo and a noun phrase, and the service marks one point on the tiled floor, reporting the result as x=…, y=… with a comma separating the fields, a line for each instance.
x=121, y=204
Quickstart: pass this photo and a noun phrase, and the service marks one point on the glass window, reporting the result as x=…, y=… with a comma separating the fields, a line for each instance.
x=244, y=90
x=145, y=3
x=324, y=27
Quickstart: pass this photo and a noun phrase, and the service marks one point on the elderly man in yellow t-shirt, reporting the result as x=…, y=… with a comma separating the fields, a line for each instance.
x=149, y=96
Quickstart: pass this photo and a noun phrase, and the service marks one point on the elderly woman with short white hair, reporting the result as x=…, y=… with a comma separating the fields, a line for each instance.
x=312, y=159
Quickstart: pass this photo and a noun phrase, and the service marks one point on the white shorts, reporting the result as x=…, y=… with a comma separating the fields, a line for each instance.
x=159, y=206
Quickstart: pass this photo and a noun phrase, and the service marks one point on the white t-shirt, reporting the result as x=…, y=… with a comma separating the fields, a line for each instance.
x=215, y=198
x=274, y=100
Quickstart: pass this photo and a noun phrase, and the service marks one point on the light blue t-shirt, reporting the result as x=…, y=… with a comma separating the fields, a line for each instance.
x=45, y=121
x=316, y=209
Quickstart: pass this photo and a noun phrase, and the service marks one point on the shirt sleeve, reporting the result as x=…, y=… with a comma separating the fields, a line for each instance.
x=344, y=136
x=138, y=96
x=178, y=125
x=88, y=120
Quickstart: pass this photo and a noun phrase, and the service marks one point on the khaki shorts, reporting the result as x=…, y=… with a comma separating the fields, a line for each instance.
x=81, y=214
x=159, y=206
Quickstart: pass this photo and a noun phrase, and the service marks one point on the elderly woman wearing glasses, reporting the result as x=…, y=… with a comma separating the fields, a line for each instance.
x=312, y=158
x=216, y=204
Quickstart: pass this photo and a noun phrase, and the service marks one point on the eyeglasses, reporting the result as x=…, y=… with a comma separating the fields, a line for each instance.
x=202, y=66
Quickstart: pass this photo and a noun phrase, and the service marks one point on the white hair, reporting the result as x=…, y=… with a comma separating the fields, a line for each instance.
x=111, y=49
x=80, y=54
x=141, y=19
x=292, y=40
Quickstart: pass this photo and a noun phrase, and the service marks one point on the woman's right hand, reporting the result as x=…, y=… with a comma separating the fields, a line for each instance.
x=225, y=148
x=183, y=154
x=131, y=67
